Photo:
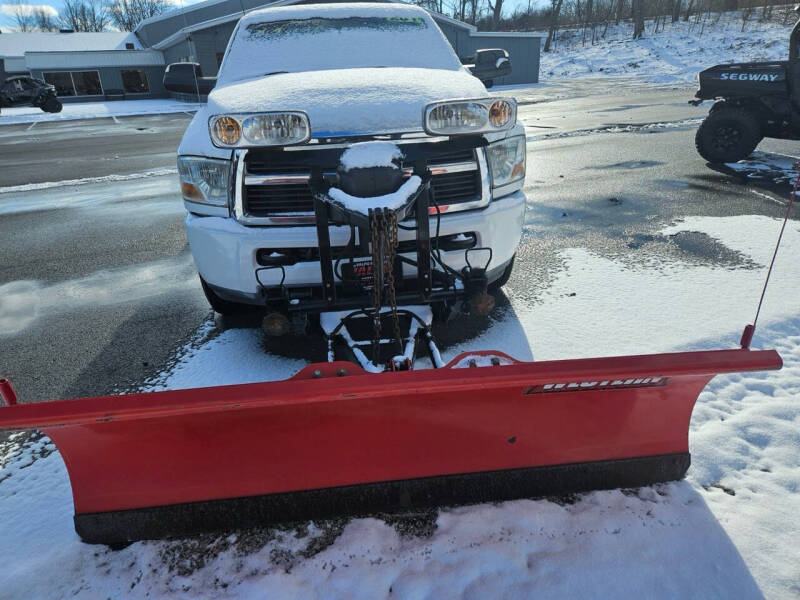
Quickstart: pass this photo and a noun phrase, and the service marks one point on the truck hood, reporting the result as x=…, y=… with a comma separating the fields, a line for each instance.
x=349, y=101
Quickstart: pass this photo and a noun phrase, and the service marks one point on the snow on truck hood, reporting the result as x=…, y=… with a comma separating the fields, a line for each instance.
x=349, y=101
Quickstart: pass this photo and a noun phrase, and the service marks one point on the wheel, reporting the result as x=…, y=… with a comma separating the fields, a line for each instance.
x=503, y=279
x=225, y=307
x=727, y=135
x=52, y=105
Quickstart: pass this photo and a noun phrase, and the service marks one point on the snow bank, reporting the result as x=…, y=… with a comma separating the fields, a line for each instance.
x=45, y=185
x=95, y=110
x=765, y=166
x=729, y=531
x=675, y=54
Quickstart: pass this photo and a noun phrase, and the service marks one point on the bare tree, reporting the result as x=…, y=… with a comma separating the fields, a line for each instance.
x=676, y=10
x=637, y=11
x=620, y=11
x=497, y=10
x=747, y=12
x=127, y=14
x=688, y=12
x=588, y=21
x=22, y=14
x=555, y=10
x=85, y=15
x=45, y=19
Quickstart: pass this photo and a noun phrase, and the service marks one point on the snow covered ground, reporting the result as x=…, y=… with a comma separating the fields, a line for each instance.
x=96, y=110
x=729, y=531
x=675, y=54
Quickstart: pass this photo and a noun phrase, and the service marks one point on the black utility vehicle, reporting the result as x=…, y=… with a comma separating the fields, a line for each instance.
x=488, y=64
x=753, y=101
x=21, y=90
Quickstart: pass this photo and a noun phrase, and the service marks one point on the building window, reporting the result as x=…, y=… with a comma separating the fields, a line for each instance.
x=87, y=83
x=134, y=81
x=75, y=83
x=62, y=83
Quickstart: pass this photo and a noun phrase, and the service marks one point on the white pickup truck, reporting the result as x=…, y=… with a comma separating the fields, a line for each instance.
x=299, y=86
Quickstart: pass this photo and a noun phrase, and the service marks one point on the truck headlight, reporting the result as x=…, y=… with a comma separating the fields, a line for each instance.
x=204, y=180
x=460, y=117
x=262, y=129
x=507, y=160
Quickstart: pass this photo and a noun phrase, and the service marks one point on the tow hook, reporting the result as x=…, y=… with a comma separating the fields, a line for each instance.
x=479, y=300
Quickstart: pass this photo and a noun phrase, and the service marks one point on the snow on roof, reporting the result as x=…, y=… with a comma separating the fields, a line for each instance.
x=16, y=44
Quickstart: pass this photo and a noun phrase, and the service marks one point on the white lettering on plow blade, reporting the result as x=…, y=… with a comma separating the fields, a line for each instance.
x=586, y=386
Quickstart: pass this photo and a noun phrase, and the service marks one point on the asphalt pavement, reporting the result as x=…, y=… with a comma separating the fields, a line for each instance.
x=97, y=286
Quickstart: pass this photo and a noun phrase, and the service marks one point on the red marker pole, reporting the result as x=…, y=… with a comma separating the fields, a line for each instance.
x=7, y=392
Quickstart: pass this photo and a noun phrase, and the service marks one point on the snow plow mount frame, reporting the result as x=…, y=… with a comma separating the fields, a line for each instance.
x=323, y=444
x=435, y=282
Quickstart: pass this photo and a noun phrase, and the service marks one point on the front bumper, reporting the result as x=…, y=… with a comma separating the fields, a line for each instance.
x=225, y=251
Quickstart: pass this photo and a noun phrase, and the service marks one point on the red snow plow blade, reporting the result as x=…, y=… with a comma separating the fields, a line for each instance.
x=334, y=440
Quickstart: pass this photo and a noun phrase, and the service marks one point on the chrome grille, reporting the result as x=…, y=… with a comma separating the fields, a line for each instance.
x=280, y=187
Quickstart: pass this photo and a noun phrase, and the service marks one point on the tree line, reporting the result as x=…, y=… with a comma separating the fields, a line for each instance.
x=593, y=17
x=84, y=15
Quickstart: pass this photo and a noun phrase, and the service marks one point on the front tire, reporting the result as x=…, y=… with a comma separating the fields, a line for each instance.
x=52, y=105
x=225, y=307
x=727, y=135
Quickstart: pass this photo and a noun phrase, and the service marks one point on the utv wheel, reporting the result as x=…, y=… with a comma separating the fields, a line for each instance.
x=225, y=307
x=52, y=105
x=728, y=135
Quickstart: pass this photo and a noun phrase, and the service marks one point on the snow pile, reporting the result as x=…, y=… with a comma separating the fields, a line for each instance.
x=95, y=110
x=393, y=201
x=675, y=54
x=293, y=39
x=44, y=185
x=729, y=531
x=482, y=360
x=370, y=154
x=767, y=166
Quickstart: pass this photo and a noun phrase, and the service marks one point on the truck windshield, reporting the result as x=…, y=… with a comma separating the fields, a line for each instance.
x=323, y=43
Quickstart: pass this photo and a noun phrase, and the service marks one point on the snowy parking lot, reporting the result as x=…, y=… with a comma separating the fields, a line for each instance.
x=632, y=244
x=95, y=110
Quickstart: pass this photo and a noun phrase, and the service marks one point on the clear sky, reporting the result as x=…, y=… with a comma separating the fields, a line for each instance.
x=7, y=21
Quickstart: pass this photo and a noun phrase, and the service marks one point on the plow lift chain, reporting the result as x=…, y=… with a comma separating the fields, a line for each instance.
x=383, y=226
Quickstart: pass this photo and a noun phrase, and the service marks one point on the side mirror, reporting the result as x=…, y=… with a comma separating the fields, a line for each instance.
x=489, y=64
x=187, y=78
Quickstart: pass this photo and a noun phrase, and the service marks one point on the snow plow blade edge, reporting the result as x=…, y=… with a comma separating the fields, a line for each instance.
x=324, y=444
